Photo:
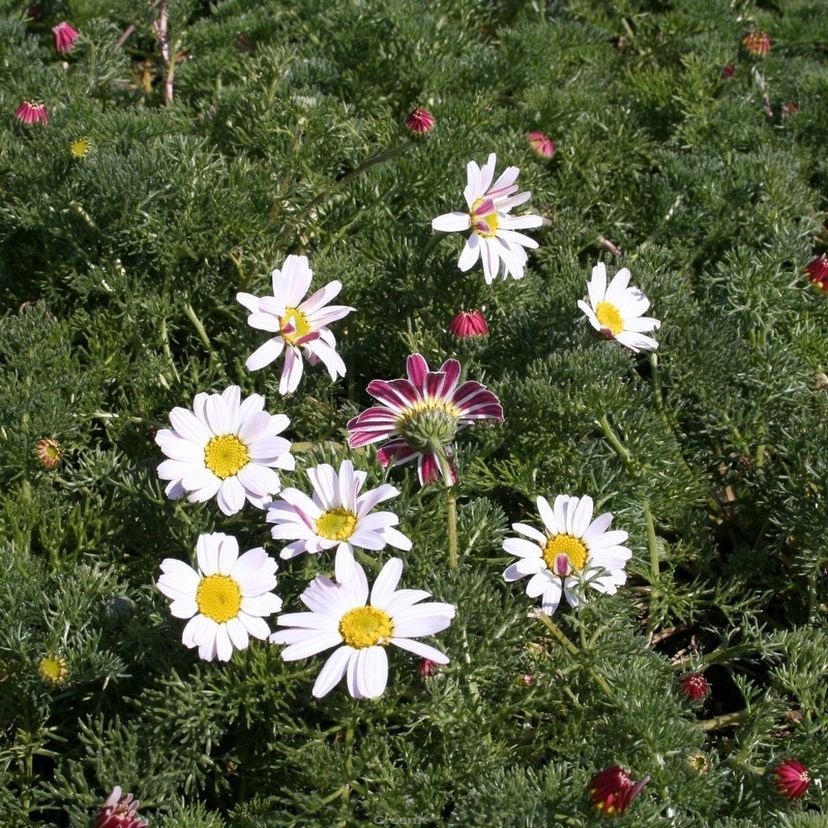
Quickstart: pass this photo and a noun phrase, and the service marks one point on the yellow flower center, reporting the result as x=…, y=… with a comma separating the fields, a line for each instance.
x=609, y=317
x=53, y=669
x=365, y=627
x=79, y=148
x=226, y=456
x=563, y=553
x=336, y=524
x=298, y=321
x=219, y=598
x=484, y=224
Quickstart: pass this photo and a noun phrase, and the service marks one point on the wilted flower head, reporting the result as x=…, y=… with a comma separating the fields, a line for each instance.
x=756, y=44
x=53, y=669
x=119, y=812
x=427, y=668
x=818, y=272
x=695, y=686
x=48, y=452
x=541, y=144
x=698, y=762
x=31, y=112
x=469, y=323
x=792, y=778
x=422, y=413
x=420, y=121
x=613, y=790
x=64, y=37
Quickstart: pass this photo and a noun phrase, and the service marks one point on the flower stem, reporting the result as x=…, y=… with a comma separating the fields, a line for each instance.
x=202, y=332
x=451, y=506
x=654, y=564
x=615, y=441
x=573, y=650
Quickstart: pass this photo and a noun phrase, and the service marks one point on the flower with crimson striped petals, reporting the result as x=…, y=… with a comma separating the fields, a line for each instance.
x=422, y=414
x=342, y=616
x=792, y=778
x=613, y=790
x=420, y=121
x=757, y=44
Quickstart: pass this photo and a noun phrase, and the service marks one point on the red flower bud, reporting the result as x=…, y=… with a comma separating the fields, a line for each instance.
x=541, y=144
x=119, y=812
x=695, y=686
x=64, y=37
x=469, y=323
x=420, y=121
x=756, y=44
x=792, y=778
x=818, y=272
x=613, y=790
x=32, y=113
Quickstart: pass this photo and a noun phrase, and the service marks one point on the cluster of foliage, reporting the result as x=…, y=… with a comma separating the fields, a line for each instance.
x=118, y=275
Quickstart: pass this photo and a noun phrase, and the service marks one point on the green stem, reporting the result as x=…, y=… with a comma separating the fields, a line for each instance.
x=202, y=332
x=655, y=569
x=451, y=506
x=573, y=650
x=615, y=441
x=725, y=720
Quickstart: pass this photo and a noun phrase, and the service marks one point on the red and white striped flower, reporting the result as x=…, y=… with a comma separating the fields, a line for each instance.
x=299, y=325
x=422, y=414
x=494, y=235
x=469, y=323
x=792, y=778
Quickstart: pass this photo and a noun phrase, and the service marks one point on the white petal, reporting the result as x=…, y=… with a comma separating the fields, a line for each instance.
x=230, y=497
x=452, y=222
x=331, y=674
x=265, y=354
x=470, y=254
x=420, y=649
x=386, y=583
x=228, y=553
x=224, y=647
x=314, y=642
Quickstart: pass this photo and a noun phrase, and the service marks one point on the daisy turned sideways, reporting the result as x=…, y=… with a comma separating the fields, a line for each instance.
x=421, y=415
x=224, y=448
x=617, y=310
x=572, y=551
x=361, y=626
x=299, y=324
x=226, y=598
x=495, y=238
x=336, y=516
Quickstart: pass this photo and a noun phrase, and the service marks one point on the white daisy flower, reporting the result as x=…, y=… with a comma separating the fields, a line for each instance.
x=224, y=448
x=575, y=551
x=494, y=235
x=341, y=614
x=617, y=310
x=337, y=516
x=226, y=599
x=299, y=326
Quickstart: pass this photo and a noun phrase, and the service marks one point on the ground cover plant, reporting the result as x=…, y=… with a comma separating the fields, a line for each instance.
x=293, y=372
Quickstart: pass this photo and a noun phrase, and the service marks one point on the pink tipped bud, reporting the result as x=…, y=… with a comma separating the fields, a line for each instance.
x=32, y=113
x=469, y=323
x=420, y=121
x=728, y=70
x=64, y=37
x=756, y=44
x=427, y=668
x=541, y=144
x=527, y=679
x=792, y=778
x=695, y=686
x=613, y=790
x=119, y=812
x=818, y=272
